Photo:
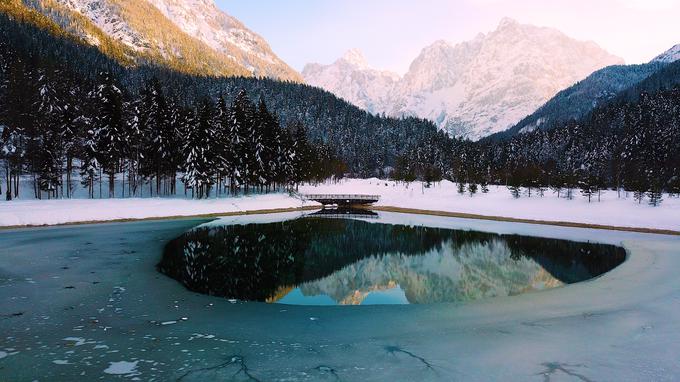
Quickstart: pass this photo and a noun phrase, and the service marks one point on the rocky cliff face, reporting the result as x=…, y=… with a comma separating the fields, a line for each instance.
x=351, y=78
x=474, y=88
x=192, y=36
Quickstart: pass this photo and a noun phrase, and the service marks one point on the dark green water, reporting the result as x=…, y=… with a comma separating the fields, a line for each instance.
x=320, y=261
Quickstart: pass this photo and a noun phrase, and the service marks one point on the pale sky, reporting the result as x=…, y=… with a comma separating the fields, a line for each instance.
x=391, y=33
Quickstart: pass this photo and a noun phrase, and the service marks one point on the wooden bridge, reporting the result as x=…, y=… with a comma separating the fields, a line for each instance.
x=342, y=199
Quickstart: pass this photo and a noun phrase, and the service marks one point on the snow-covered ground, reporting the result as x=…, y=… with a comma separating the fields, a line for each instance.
x=611, y=210
x=49, y=212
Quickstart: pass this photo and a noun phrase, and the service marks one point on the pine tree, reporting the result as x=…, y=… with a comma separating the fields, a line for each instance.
x=301, y=154
x=224, y=152
x=242, y=126
x=268, y=128
x=49, y=159
x=256, y=147
x=160, y=142
x=89, y=167
x=472, y=189
x=18, y=114
x=110, y=128
x=198, y=166
x=74, y=122
x=587, y=184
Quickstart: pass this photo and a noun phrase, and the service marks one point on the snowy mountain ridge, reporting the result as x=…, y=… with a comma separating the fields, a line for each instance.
x=194, y=34
x=352, y=79
x=474, y=88
x=202, y=20
x=105, y=16
x=671, y=55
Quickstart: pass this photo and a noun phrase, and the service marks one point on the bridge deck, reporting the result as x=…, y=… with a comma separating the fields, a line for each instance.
x=342, y=199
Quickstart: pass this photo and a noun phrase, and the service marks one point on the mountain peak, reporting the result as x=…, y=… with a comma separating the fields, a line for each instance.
x=507, y=22
x=671, y=55
x=473, y=88
x=356, y=58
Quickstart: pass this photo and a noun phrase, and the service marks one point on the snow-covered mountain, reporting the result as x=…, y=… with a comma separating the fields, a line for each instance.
x=202, y=20
x=188, y=35
x=475, y=88
x=671, y=55
x=351, y=78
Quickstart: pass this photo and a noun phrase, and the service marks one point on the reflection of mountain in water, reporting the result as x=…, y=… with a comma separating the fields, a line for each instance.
x=447, y=274
x=347, y=259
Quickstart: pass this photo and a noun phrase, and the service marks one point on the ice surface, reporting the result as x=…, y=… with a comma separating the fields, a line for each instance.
x=623, y=326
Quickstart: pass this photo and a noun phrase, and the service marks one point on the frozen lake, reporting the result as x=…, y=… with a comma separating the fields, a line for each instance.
x=87, y=303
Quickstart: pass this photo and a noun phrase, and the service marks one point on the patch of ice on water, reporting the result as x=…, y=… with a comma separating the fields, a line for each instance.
x=61, y=362
x=121, y=367
x=78, y=341
x=3, y=354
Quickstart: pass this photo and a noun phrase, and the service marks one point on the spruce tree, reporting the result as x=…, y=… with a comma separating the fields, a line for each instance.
x=198, y=165
x=110, y=128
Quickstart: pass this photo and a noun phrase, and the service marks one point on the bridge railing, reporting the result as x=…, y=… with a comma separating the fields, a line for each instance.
x=340, y=197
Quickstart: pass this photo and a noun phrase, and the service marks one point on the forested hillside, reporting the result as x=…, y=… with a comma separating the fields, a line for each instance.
x=631, y=145
x=609, y=85
x=581, y=98
x=36, y=58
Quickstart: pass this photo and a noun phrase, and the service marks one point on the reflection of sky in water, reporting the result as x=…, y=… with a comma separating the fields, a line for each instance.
x=295, y=297
x=392, y=296
x=386, y=297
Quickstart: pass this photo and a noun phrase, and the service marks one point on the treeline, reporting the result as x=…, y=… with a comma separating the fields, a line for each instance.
x=368, y=144
x=55, y=124
x=60, y=115
x=633, y=146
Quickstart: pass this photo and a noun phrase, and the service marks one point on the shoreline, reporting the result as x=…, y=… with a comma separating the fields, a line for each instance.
x=403, y=210
x=525, y=221
x=170, y=217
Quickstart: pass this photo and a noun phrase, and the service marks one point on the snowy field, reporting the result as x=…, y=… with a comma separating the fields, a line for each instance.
x=49, y=212
x=611, y=211
x=93, y=307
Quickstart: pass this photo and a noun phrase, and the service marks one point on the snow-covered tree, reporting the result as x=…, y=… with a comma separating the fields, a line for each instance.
x=110, y=128
x=198, y=165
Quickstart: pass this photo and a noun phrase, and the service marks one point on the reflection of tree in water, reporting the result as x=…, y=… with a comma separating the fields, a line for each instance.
x=258, y=261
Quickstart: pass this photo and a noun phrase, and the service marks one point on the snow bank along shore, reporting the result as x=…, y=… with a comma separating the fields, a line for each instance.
x=612, y=210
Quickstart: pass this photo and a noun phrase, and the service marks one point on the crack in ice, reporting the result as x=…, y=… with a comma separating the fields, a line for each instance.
x=233, y=360
x=554, y=367
x=396, y=349
x=329, y=370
